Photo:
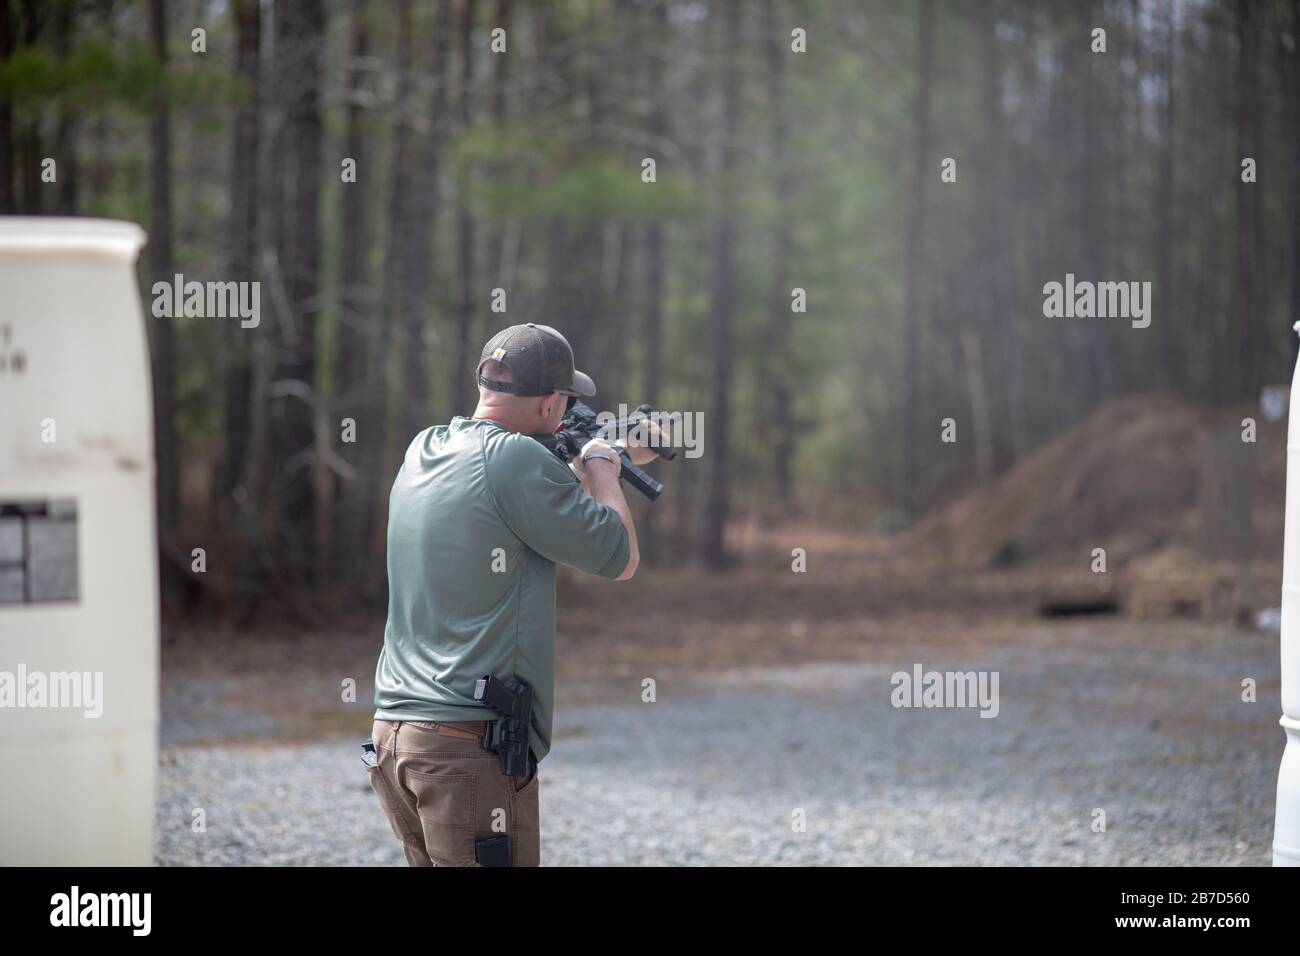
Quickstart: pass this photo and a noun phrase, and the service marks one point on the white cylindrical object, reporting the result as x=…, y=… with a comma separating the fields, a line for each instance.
x=1286, y=832
x=78, y=547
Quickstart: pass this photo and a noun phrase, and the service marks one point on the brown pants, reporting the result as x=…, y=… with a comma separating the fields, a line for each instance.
x=441, y=791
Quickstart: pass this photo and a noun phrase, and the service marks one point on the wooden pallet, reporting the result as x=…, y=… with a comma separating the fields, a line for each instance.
x=1207, y=593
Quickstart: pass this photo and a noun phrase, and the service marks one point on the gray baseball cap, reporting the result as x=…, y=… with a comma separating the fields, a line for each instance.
x=540, y=362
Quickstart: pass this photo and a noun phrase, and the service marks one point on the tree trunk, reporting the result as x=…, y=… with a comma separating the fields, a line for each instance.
x=655, y=255
x=977, y=396
x=913, y=265
x=164, y=342
x=1000, y=354
x=462, y=378
x=392, y=309
x=418, y=211
x=502, y=236
x=773, y=378
x=28, y=148
x=722, y=295
x=1246, y=332
x=1165, y=174
x=64, y=27
x=1295, y=177
x=1091, y=213
x=8, y=201
x=355, y=396
x=299, y=41
x=244, y=187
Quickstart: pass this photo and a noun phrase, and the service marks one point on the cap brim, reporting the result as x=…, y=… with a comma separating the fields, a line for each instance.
x=582, y=383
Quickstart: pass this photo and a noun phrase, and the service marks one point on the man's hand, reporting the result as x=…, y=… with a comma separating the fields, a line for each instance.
x=642, y=439
x=604, y=449
x=598, y=450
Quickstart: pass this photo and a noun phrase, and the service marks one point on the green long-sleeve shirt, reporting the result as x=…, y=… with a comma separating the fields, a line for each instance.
x=477, y=520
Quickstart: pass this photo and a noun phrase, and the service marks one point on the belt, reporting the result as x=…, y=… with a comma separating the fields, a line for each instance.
x=461, y=728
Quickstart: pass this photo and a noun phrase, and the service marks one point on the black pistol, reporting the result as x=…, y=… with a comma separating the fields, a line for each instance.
x=507, y=736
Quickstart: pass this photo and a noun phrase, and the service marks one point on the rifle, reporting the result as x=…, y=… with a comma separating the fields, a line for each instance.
x=580, y=426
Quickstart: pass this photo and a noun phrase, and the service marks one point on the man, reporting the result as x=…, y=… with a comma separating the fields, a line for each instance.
x=478, y=518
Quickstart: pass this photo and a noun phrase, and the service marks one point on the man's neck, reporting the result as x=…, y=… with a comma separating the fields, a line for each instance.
x=494, y=415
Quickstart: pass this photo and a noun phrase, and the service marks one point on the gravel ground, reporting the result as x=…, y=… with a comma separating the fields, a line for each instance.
x=1143, y=722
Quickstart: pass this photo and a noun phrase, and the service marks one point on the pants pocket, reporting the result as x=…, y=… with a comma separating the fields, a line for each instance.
x=525, y=825
x=447, y=804
x=388, y=803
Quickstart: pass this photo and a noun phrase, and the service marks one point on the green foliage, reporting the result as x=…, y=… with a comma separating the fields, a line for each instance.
x=96, y=75
x=535, y=175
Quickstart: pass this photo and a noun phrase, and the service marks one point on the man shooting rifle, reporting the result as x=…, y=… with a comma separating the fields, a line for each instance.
x=479, y=516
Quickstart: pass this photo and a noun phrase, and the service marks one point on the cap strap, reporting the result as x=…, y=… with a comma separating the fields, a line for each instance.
x=510, y=387
x=496, y=386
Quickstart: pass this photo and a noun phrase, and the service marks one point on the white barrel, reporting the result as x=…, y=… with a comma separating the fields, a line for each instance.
x=1286, y=832
x=78, y=552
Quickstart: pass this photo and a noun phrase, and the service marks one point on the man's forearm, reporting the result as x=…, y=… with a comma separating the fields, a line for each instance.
x=602, y=483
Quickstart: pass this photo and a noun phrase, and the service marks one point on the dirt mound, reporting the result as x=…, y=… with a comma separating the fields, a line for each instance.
x=1126, y=479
